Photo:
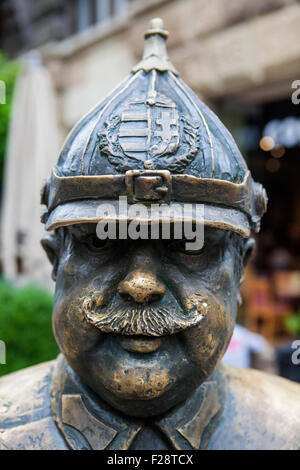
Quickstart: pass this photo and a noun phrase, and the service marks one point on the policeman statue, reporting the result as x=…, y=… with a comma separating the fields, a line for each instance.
x=142, y=322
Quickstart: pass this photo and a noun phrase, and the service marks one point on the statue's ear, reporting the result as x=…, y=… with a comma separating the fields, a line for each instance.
x=249, y=249
x=51, y=245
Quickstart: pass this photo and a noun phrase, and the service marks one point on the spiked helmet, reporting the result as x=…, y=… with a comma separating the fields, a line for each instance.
x=153, y=141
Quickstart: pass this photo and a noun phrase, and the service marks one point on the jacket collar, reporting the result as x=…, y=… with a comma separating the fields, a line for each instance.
x=89, y=423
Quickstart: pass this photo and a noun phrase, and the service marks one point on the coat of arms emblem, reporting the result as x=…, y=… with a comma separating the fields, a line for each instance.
x=150, y=134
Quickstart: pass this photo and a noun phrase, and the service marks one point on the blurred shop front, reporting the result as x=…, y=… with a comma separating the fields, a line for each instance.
x=269, y=135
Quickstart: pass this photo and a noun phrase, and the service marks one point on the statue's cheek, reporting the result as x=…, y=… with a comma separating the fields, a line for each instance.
x=73, y=333
x=224, y=286
x=207, y=342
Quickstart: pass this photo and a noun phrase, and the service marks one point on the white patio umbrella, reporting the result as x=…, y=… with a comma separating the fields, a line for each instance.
x=32, y=152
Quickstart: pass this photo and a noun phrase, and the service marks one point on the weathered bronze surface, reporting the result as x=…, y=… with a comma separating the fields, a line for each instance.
x=143, y=324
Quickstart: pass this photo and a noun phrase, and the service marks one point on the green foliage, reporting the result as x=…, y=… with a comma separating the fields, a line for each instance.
x=292, y=324
x=25, y=326
x=8, y=73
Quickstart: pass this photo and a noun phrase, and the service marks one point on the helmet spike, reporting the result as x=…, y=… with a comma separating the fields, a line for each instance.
x=155, y=56
x=156, y=26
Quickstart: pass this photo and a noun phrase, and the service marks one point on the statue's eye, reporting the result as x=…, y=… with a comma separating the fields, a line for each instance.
x=181, y=246
x=95, y=243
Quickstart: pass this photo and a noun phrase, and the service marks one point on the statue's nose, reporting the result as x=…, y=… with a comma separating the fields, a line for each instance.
x=141, y=287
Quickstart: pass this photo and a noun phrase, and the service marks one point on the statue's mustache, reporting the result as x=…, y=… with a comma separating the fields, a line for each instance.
x=143, y=319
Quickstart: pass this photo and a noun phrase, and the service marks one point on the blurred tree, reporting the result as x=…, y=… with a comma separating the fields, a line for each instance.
x=25, y=326
x=8, y=74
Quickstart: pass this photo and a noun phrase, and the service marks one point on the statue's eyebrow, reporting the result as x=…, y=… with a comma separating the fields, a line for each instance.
x=214, y=235
x=82, y=229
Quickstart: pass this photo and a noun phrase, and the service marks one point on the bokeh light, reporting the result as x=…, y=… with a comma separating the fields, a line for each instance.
x=278, y=152
x=266, y=143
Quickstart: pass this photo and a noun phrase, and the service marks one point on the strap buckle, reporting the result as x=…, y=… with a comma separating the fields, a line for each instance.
x=148, y=186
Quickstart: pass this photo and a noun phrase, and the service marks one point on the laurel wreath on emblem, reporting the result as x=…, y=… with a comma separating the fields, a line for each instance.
x=109, y=145
x=191, y=142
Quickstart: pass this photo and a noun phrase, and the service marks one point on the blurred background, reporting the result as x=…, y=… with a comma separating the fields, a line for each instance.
x=59, y=58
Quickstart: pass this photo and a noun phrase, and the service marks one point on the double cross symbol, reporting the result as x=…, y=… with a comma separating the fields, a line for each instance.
x=166, y=122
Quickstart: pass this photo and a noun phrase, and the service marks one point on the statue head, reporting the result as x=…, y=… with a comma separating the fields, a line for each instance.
x=143, y=312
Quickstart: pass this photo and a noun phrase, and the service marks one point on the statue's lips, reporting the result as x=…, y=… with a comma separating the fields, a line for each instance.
x=139, y=344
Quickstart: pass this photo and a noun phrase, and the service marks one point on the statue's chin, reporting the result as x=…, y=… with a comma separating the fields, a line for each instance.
x=142, y=401
x=137, y=384
x=144, y=392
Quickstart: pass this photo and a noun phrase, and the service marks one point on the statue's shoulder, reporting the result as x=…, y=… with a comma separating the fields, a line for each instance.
x=25, y=409
x=262, y=412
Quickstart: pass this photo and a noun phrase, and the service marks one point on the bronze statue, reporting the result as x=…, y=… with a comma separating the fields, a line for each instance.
x=143, y=324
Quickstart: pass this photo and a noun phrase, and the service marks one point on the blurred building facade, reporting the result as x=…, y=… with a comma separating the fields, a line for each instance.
x=240, y=56
x=245, y=52
x=236, y=49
